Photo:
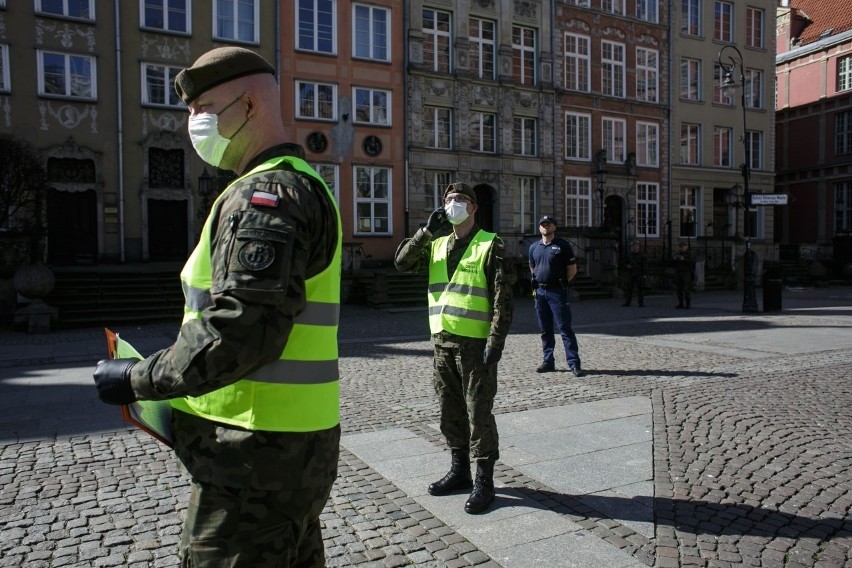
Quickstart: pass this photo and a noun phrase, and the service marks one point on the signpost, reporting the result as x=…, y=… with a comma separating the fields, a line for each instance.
x=769, y=199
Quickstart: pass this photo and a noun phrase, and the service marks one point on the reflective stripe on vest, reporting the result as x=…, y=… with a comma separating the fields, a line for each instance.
x=460, y=305
x=301, y=391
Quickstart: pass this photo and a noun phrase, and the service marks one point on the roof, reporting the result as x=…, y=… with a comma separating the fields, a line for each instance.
x=829, y=17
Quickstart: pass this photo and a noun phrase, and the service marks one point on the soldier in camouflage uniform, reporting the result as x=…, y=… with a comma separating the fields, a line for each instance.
x=465, y=377
x=684, y=264
x=256, y=493
x=634, y=266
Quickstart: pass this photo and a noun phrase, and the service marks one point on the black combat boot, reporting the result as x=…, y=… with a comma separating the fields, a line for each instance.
x=457, y=478
x=483, y=490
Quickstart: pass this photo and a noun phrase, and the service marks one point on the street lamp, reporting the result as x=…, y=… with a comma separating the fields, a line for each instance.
x=728, y=65
x=600, y=175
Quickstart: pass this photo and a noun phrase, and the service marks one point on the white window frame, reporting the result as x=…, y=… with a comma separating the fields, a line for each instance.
x=613, y=7
x=719, y=143
x=330, y=173
x=843, y=132
x=374, y=110
x=524, y=136
x=524, y=216
x=647, y=209
x=647, y=74
x=371, y=200
x=438, y=128
x=40, y=10
x=690, y=203
x=376, y=51
x=755, y=18
x=648, y=10
x=521, y=52
x=723, y=30
x=483, y=51
x=613, y=69
x=441, y=62
x=480, y=123
x=580, y=3
x=692, y=140
x=168, y=74
x=753, y=88
x=578, y=62
x=233, y=18
x=435, y=183
x=690, y=79
x=313, y=31
x=844, y=73
x=164, y=6
x=578, y=201
x=754, y=145
x=578, y=136
x=318, y=101
x=690, y=17
x=5, y=75
x=648, y=144
x=67, y=95
x=843, y=206
x=614, y=139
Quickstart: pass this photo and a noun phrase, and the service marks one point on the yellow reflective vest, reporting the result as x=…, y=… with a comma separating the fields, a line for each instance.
x=460, y=304
x=301, y=391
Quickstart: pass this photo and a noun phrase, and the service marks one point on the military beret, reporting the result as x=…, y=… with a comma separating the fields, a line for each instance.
x=218, y=66
x=462, y=188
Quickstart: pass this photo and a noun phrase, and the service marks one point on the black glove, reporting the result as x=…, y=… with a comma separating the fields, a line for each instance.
x=533, y=283
x=437, y=219
x=112, y=377
x=491, y=355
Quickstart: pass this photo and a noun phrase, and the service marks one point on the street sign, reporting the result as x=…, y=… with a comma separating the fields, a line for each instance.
x=769, y=199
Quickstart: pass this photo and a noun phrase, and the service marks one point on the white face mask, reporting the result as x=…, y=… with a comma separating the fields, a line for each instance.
x=456, y=212
x=206, y=139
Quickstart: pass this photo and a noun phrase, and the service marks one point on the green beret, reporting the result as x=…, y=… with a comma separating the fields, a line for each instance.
x=462, y=188
x=218, y=66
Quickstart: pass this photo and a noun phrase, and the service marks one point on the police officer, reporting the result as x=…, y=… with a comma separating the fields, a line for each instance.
x=470, y=310
x=553, y=266
x=253, y=375
x=634, y=264
x=684, y=264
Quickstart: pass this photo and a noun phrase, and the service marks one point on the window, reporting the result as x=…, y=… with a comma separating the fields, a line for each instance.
x=689, y=200
x=523, y=55
x=157, y=85
x=166, y=15
x=5, y=81
x=329, y=174
x=578, y=139
x=647, y=209
x=754, y=149
x=482, y=52
x=844, y=73
x=719, y=94
x=647, y=75
x=316, y=22
x=647, y=144
x=165, y=168
x=753, y=88
x=66, y=75
x=612, y=69
x=614, y=137
x=236, y=20
x=526, y=202
x=81, y=9
x=524, y=136
x=578, y=202
x=690, y=144
x=577, y=62
x=581, y=3
x=436, y=183
x=316, y=100
x=843, y=206
x=372, y=201
x=437, y=128
x=723, y=21
x=690, y=79
x=754, y=27
x=690, y=17
x=722, y=137
x=436, y=40
x=372, y=106
x=843, y=132
x=647, y=10
x=482, y=133
x=613, y=6
x=370, y=40
x=755, y=222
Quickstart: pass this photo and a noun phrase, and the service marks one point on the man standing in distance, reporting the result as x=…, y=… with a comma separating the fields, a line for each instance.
x=470, y=310
x=553, y=266
x=253, y=375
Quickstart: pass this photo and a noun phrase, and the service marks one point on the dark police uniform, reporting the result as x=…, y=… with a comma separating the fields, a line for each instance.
x=634, y=264
x=549, y=264
x=684, y=264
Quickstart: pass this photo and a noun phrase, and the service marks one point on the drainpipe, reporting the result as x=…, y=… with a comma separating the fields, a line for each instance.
x=671, y=128
x=120, y=129
x=406, y=148
x=555, y=167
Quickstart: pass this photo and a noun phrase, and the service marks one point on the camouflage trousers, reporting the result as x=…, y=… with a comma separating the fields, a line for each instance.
x=466, y=389
x=234, y=528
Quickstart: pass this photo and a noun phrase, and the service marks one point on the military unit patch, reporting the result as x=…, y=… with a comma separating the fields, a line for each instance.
x=264, y=199
x=257, y=255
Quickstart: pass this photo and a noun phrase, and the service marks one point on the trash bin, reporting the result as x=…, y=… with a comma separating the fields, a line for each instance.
x=772, y=293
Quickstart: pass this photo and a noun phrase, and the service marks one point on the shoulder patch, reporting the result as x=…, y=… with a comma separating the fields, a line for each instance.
x=256, y=254
x=264, y=199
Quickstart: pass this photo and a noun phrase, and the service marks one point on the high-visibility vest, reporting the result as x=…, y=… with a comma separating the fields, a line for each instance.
x=300, y=392
x=460, y=304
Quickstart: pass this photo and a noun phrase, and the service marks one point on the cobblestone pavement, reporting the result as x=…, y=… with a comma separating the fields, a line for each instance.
x=752, y=444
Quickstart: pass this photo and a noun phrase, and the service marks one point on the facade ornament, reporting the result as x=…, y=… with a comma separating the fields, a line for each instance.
x=610, y=31
x=172, y=49
x=578, y=24
x=68, y=116
x=645, y=39
x=438, y=88
x=484, y=3
x=526, y=8
x=66, y=34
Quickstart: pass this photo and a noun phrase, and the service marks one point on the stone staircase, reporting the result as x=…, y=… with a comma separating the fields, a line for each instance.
x=589, y=289
x=393, y=289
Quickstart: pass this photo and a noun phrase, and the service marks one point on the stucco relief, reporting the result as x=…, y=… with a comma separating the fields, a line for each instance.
x=173, y=49
x=162, y=121
x=525, y=100
x=615, y=32
x=66, y=33
x=578, y=25
x=484, y=3
x=483, y=95
x=646, y=39
x=526, y=9
x=415, y=52
x=438, y=88
x=67, y=116
x=484, y=176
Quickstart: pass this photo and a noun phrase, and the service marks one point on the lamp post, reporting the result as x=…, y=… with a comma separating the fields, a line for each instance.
x=728, y=65
x=600, y=176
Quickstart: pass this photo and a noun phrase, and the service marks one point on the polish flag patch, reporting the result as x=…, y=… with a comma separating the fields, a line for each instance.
x=264, y=199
